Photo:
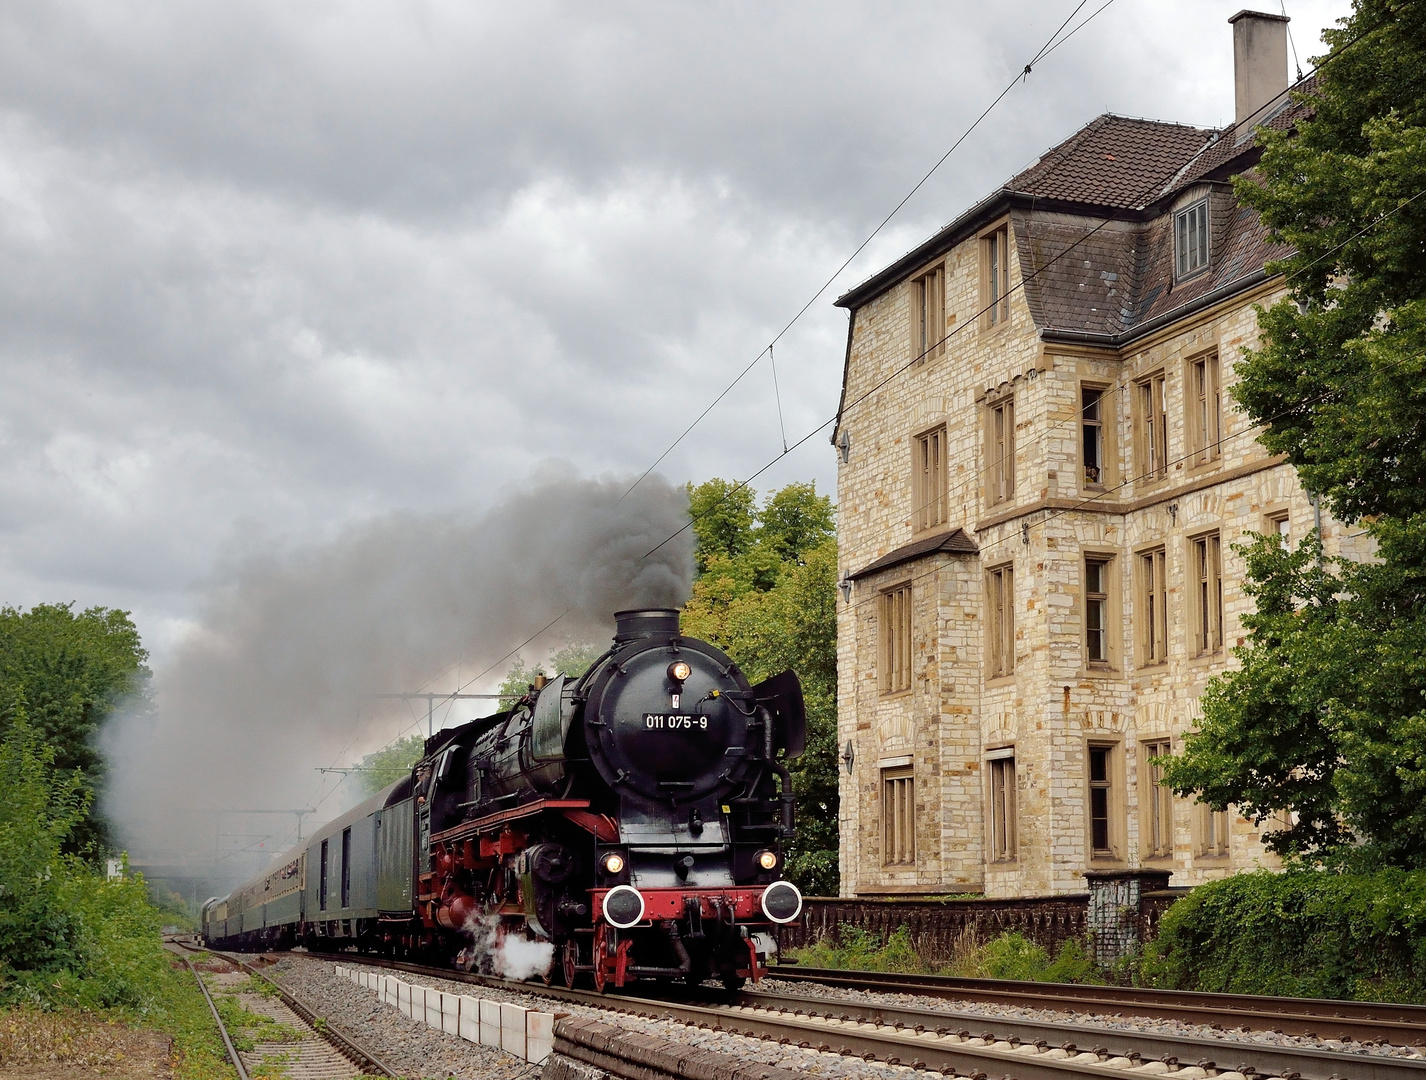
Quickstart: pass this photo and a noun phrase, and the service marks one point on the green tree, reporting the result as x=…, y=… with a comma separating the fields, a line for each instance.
x=723, y=517
x=772, y=606
x=67, y=673
x=572, y=661
x=390, y=763
x=40, y=809
x=1325, y=716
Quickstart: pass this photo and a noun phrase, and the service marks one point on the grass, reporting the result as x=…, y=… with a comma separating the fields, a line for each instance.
x=1009, y=956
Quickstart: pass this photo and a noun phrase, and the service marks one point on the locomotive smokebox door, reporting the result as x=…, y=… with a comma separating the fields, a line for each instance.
x=659, y=752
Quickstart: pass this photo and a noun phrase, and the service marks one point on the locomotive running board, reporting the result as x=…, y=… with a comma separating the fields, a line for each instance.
x=577, y=810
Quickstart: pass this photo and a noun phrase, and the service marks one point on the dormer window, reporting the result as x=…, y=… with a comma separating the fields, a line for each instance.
x=1190, y=239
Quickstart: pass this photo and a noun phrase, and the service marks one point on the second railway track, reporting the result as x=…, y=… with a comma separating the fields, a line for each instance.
x=320, y=1051
x=1402, y=1025
x=967, y=1044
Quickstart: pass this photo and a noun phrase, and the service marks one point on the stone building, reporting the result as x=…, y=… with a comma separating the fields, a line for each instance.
x=1041, y=478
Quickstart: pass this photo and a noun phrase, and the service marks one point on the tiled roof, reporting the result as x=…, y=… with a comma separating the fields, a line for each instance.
x=1114, y=161
x=955, y=542
x=1116, y=167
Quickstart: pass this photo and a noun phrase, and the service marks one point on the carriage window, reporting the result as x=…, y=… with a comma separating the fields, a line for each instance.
x=346, y=868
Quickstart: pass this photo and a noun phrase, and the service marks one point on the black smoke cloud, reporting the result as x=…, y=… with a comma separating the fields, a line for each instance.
x=279, y=676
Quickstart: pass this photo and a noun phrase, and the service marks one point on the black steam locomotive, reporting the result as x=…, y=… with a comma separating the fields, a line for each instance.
x=627, y=824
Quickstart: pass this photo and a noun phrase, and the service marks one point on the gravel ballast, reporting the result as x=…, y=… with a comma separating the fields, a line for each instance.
x=416, y=1050
x=1144, y=1024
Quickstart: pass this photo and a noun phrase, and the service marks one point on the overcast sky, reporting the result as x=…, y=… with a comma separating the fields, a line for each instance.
x=268, y=270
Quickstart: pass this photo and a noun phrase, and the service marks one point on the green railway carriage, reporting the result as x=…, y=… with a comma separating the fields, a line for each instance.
x=333, y=890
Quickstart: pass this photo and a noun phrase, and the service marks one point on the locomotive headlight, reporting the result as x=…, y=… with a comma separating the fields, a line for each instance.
x=613, y=863
x=679, y=671
x=767, y=859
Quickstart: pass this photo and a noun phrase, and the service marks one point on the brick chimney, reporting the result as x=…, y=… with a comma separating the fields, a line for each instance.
x=1259, y=65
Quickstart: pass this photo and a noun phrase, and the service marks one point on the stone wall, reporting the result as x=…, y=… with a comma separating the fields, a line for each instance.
x=939, y=928
x=1118, y=912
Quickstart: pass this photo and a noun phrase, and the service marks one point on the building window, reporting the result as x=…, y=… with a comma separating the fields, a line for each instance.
x=346, y=868
x=928, y=315
x=1280, y=526
x=1153, y=620
x=1091, y=427
x=1207, y=593
x=1157, y=801
x=1000, y=623
x=1101, y=802
x=1000, y=450
x=995, y=276
x=1190, y=238
x=1203, y=407
x=1212, y=832
x=898, y=816
x=1003, y=839
x=929, y=487
x=1152, y=442
x=1096, y=610
x=894, y=661
x=322, y=880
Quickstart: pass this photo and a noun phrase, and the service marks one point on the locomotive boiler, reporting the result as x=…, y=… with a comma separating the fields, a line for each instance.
x=626, y=824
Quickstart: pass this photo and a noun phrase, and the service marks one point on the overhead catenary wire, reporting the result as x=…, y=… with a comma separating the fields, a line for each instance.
x=1020, y=76
x=979, y=314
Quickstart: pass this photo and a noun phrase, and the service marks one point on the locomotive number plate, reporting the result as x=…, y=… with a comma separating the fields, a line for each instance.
x=658, y=721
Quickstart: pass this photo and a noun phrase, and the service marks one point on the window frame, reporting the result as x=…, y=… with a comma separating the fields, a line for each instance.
x=1106, y=599
x=893, y=667
x=1151, y=610
x=1150, y=413
x=1273, y=523
x=898, y=816
x=995, y=276
x=1104, y=426
x=1112, y=784
x=1205, y=577
x=1192, y=259
x=1002, y=819
x=1203, y=408
x=322, y=879
x=1155, y=801
x=924, y=516
x=927, y=319
x=1000, y=621
x=1000, y=449
x=1209, y=827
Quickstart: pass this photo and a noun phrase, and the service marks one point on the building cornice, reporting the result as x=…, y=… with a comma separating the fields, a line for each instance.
x=1101, y=505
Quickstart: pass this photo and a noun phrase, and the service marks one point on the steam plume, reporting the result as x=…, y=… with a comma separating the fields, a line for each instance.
x=279, y=676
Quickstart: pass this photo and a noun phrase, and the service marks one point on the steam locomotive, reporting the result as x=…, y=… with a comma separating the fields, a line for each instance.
x=624, y=825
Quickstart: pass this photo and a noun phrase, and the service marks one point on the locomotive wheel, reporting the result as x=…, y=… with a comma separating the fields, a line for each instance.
x=569, y=963
x=733, y=982
x=606, y=944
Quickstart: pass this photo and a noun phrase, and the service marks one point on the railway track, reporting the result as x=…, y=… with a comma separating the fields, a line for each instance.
x=965, y=1044
x=321, y=1051
x=1359, y=1021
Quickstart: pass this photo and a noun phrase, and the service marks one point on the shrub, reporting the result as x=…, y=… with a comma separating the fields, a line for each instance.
x=1009, y=956
x=1305, y=933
